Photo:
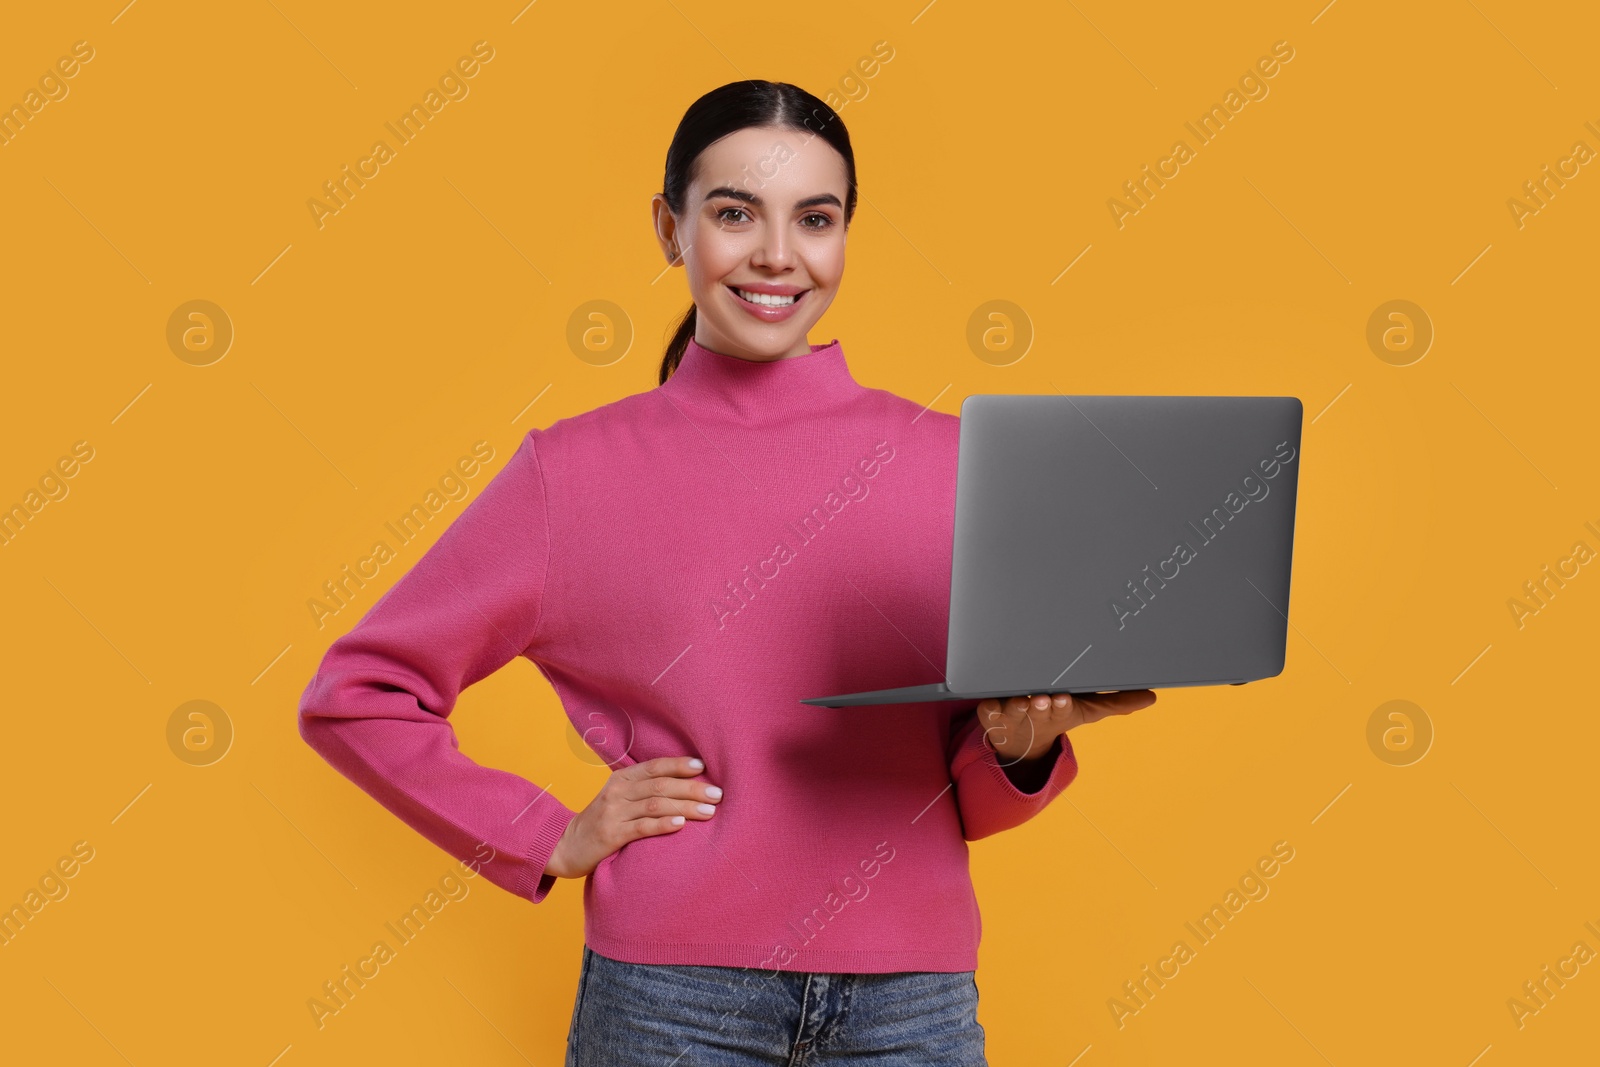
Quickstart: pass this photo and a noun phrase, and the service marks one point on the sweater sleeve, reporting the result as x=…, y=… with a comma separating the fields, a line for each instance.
x=988, y=800
x=378, y=706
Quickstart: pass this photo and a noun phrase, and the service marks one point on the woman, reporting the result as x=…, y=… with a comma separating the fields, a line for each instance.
x=765, y=882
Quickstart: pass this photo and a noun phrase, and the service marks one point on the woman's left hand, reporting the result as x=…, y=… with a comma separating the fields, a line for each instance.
x=1024, y=728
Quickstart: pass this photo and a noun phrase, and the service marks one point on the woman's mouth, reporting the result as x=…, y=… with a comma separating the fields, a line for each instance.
x=766, y=306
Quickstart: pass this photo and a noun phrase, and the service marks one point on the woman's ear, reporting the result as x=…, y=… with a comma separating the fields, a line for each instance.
x=666, y=228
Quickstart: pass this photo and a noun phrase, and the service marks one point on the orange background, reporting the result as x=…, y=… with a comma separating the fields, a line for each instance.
x=434, y=309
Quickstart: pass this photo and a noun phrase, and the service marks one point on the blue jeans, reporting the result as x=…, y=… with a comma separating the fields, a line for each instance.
x=653, y=1015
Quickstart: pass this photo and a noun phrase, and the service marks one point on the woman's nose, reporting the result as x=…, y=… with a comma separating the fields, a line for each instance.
x=774, y=250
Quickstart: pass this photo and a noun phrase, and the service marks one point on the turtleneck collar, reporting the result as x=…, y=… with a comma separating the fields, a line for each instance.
x=750, y=391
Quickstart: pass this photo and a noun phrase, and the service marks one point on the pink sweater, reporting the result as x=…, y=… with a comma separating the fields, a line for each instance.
x=684, y=565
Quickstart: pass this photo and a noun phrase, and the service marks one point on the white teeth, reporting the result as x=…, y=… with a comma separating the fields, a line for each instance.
x=767, y=299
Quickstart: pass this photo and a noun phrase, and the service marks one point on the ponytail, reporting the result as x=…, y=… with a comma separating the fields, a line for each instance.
x=678, y=345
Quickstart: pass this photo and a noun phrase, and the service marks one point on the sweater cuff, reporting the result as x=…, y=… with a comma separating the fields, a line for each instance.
x=988, y=800
x=1063, y=769
x=539, y=852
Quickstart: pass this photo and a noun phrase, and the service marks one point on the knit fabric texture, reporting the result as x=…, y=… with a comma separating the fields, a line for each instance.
x=683, y=566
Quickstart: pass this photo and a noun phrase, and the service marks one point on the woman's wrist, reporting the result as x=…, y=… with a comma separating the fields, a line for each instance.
x=1030, y=773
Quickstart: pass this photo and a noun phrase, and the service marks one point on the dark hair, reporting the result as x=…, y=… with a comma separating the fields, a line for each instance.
x=726, y=110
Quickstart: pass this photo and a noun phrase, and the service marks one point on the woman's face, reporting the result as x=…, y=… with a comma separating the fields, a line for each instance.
x=764, y=211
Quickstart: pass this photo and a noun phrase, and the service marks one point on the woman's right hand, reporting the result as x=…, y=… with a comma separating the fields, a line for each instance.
x=641, y=800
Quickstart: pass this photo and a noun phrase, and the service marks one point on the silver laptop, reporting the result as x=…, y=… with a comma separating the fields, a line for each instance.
x=1107, y=543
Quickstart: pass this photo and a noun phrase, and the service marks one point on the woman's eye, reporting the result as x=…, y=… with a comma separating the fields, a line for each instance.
x=826, y=220
x=722, y=215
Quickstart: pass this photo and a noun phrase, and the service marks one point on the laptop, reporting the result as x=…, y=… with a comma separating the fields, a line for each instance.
x=1107, y=543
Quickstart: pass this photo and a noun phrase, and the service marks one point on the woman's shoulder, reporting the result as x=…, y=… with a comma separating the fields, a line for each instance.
x=920, y=413
x=597, y=422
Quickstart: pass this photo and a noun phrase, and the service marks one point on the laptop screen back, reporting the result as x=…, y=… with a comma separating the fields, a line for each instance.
x=1121, y=542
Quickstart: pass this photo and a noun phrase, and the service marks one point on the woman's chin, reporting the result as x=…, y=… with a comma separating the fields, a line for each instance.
x=765, y=340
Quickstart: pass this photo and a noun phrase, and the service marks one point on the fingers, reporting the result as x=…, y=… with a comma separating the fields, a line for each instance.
x=1013, y=720
x=1118, y=703
x=994, y=711
x=673, y=795
x=650, y=796
x=680, y=766
x=619, y=830
x=624, y=821
x=1003, y=718
x=665, y=824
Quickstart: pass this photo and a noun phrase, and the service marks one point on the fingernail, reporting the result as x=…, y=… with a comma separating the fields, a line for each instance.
x=677, y=819
x=697, y=764
x=714, y=792
x=706, y=809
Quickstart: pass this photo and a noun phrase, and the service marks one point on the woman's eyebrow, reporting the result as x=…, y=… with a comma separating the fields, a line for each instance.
x=752, y=198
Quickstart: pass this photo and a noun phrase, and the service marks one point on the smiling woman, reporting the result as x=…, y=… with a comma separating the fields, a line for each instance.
x=763, y=257
x=709, y=855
